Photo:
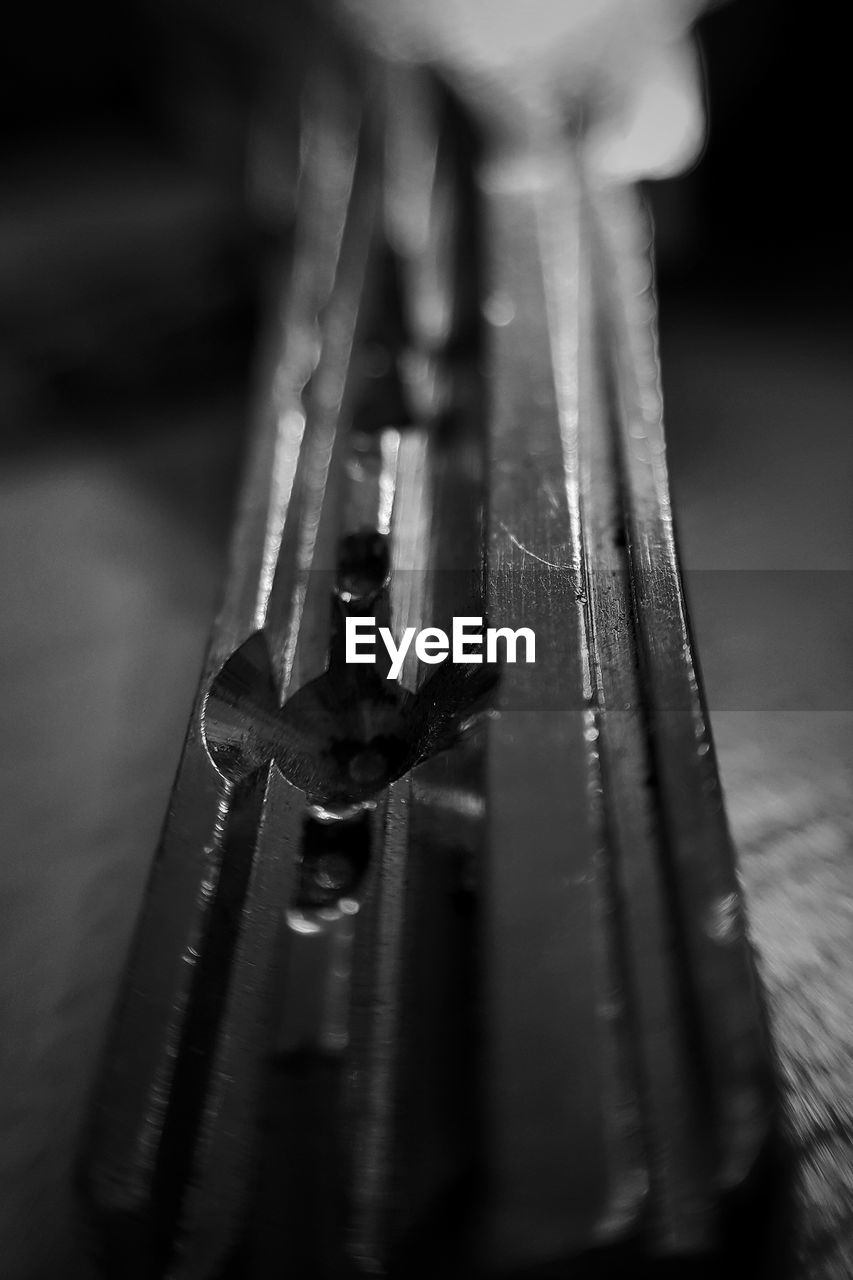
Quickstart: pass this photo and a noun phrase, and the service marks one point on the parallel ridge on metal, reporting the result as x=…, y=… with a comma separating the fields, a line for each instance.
x=166, y=1153
x=565, y=1168
x=676, y=1133
x=410, y=1059
x=377, y=977
x=410, y=1101
x=721, y=1003
x=608, y=853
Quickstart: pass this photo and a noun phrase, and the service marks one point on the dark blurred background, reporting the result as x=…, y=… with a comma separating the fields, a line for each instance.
x=148, y=183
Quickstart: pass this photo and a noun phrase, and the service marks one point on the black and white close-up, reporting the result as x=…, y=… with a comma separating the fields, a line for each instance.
x=426, y=633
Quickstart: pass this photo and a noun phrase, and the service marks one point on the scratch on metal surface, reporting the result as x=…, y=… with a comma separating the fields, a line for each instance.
x=515, y=542
x=563, y=568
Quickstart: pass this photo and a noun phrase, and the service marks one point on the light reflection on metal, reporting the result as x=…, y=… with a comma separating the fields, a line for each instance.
x=567, y=850
x=289, y=436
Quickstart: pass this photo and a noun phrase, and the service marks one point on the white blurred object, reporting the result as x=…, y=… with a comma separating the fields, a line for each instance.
x=623, y=71
x=658, y=130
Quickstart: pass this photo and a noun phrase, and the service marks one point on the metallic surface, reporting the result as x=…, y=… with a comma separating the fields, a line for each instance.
x=448, y=977
x=556, y=1065
x=711, y=930
x=194, y=970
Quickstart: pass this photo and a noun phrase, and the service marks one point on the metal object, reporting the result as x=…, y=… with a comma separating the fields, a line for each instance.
x=446, y=976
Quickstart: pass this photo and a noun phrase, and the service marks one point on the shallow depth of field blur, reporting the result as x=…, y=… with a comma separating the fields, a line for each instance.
x=149, y=165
